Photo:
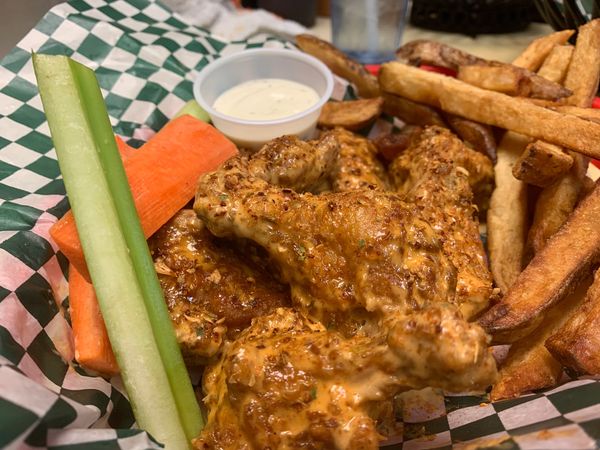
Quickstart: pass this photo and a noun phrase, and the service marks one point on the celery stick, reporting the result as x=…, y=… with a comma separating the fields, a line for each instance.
x=187, y=405
x=193, y=109
x=106, y=253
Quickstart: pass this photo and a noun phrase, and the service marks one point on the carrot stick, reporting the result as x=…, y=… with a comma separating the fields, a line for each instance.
x=162, y=175
x=92, y=347
x=124, y=149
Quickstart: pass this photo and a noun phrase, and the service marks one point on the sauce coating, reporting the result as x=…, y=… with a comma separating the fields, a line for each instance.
x=266, y=99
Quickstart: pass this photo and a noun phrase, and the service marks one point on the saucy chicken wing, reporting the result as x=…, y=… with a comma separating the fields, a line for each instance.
x=357, y=165
x=438, y=175
x=212, y=290
x=289, y=383
x=376, y=309
x=359, y=250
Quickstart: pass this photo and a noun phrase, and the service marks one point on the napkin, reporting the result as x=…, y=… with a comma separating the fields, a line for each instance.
x=223, y=19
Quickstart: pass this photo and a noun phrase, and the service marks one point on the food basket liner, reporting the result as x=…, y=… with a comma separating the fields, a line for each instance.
x=145, y=58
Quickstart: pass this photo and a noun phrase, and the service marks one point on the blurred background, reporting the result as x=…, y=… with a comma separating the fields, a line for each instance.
x=462, y=17
x=17, y=17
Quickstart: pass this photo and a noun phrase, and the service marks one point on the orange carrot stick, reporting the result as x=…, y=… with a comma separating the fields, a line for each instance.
x=92, y=347
x=162, y=176
x=124, y=149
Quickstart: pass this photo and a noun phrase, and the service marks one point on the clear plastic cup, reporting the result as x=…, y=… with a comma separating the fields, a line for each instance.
x=231, y=70
x=368, y=30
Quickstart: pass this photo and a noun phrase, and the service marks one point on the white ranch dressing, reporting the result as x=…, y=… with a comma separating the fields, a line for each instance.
x=266, y=99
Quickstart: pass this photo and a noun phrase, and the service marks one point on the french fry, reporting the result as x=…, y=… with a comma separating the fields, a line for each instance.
x=497, y=76
x=587, y=187
x=576, y=344
x=585, y=113
x=507, y=216
x=584, y=70
x=511, y=80
x=492, y=108
x=529, y=365
x=541, y=164
x=431, y=52
x=477, y=135
x=557, y=201
x=503, y=79
x=350, y=114
x=554, y=205
x=553, y=273
x=411, y=112
x=555, y=66
x=340, y=64
x=537, y=51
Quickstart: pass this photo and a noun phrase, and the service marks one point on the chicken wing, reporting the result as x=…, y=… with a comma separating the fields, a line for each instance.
x=357, y=166
x=288, y=382
x=350, y=257
x=436, y=175
x=362, y=249
x=212, y=290
x=377, y=278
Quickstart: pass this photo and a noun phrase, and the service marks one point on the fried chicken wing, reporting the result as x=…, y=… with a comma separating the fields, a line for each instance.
x=360, y=249
x=374, y=274
x=352, y=257
x=212, y=290
x=288, y=382
x=436, y=175
x=357, y=166
x=287, y=161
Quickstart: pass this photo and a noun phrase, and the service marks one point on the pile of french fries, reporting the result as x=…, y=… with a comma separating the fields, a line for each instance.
x=534, y=119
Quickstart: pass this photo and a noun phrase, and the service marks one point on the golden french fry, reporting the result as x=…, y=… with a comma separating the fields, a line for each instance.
x=507, y=219
x=591, y=114
x=503, y=79
x=492, y=108
x=584, y=70
x=556, y=64
x=511, y=80
x=566, y=259
x=411, y=112
x=529, y=366
x=587, y=187
x=557, y=201
x=493, y=75
x=507, y=216
x=554, y=205
x=541, y=164
x=350, y=114
x=536, y=52
x=576, y=344
x=435, y=53
x=340, y=64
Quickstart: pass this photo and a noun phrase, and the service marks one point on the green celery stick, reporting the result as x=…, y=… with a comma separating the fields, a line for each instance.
x=107, y=254
x=187, y=405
